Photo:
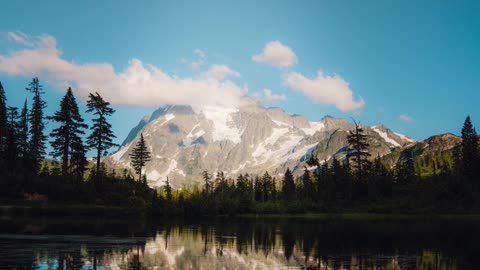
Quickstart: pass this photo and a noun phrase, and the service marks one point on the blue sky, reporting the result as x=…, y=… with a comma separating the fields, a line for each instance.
x=414, y=66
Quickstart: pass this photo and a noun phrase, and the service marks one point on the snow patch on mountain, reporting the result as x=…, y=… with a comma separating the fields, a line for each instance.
x=384, y=136
x=276, y=134
x=314, y=127
x=192, y=136
x=223, y=126
x=405, y=138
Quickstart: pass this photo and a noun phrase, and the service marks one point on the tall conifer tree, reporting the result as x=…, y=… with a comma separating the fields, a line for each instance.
x=358, y=149
x=3, y=123
x=101, y=138
x=469, y=148
x=37, y=125
x=140, y=156
x=22, y=135
x=288, y=187
x=67, y=135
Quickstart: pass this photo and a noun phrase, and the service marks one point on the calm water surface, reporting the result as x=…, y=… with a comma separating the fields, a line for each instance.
x=85, y=243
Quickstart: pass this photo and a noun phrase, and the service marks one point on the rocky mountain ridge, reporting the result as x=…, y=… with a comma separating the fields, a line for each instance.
x=251, y=139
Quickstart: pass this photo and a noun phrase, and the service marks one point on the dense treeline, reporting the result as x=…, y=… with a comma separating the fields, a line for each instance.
x=28, y=176
x=431, y=183
x=352, y=184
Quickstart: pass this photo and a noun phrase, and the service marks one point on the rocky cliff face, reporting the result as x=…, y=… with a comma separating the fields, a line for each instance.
x=252, y=139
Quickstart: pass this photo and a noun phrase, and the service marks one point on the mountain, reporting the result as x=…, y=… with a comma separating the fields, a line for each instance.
x=249, y=139
x=439, y=147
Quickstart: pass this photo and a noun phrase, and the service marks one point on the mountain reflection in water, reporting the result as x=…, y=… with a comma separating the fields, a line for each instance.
x=239, y=244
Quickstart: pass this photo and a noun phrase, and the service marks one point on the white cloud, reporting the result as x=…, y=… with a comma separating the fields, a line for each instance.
x=324, y=89
x=138, y=84
x=276, y=54
x=220, y=72
x=405, y=118
x=200, y=59
x=267, y=93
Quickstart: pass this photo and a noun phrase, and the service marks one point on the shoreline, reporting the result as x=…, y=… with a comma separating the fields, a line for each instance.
x=97, y=210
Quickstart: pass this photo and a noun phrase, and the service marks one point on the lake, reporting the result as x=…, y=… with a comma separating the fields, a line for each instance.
x=239, y=243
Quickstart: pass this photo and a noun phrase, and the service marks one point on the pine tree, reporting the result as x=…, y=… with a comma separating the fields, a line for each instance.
x=207, y=179
x=69, y=131
x=406, y=171
x=288, y=187
x=22, y=135
x=140, y=156
x=37, y=125
x=11, y=143
x=101, y=138
x=3, y=123
x=469, y=149
x=168, y=190
x=358, y=149
x=307, y=185
x=78, y=159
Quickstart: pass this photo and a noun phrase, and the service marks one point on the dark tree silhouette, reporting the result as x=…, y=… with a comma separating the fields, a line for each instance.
x=66, y=138
x=358, y=149
x=3, y=123
x=101, y=138
x=406, y=170
x=11, y=143
x=140, y=156
x=288, y=187
x=469, y=149
x=22, y=134
x=37, y=125
x=168, y=190
x=207, y=179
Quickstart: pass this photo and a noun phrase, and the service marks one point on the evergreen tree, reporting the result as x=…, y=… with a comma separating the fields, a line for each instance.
x=67, y=136
x=308, y=190
x=288, y=187
x=3, y=123
x=207, y=179
x=22, y=135
x=258, y=189
x=11, y=143
x=101, y=138
x=406, y=171
x=37, y=126
x=358, y=149
x=140, y=155
x=469, y=148
x=78, y=159
x=266, y=186
x=168, y=190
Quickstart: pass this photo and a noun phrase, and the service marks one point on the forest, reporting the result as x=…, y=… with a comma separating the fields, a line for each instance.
x=66, y=181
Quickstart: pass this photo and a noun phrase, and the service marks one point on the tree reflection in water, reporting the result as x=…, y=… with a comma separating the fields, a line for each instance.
x=241, y=244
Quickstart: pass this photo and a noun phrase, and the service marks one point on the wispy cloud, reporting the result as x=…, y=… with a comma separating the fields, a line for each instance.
x=324, y=89
x=19, y=37
x=139, y=84
x=276, y=54
x=405, y=118
x=220, y=72
x=200, y=59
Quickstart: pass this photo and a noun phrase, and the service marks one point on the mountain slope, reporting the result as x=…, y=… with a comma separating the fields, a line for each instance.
x=251, y=139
